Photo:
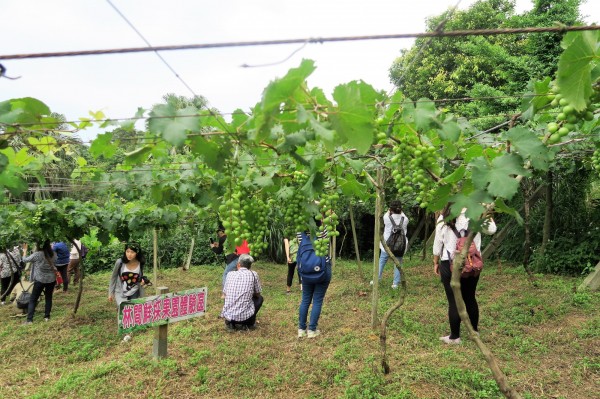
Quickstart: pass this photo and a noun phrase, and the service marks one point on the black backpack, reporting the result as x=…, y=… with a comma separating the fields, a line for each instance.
x=397, y=239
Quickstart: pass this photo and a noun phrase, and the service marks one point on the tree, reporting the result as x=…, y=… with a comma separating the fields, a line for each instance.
x=483, y=66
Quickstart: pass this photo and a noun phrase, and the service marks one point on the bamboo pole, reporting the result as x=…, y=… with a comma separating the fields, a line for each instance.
x=378, y=206
x=360, y=266
x=155, y=245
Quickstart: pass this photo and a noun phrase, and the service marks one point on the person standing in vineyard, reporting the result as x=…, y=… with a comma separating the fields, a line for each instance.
x=444, y=249
x=43, y=275
x=73, y=268
x=9, y=271
x=312, y=291
x=396, y=216
x=127, y=279
x=62, y=261
x=291, y=248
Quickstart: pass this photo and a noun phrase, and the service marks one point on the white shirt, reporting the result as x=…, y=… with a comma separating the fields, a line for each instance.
x=446, y=239
x=387, y=231
x=74, y=253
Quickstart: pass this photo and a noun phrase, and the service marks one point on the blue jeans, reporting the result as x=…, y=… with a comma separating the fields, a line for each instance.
x=229, y=268
x=311, y=293
x=383, y=258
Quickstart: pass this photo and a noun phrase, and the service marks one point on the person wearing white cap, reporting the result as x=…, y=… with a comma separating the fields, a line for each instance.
x=242, y=296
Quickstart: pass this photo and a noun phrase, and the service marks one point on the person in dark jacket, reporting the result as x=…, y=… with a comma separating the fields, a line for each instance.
x=62, y=262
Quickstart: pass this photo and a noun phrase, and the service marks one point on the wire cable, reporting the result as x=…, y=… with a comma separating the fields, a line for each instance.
x=320, y=40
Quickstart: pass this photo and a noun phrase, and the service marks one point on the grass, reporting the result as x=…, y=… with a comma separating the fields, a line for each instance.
x=546, y=340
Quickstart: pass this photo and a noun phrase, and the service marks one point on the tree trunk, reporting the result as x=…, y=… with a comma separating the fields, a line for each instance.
x=81, y=274
x=378, y=205
x=549, y=210
x=499, y=376
x=527, y=227
x=188, y=261
x=360, y=266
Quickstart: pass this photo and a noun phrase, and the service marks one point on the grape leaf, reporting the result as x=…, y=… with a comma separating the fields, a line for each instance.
x=173, y=129
x=102, y=145
x=281, y=90
x=472, y=201
x=424, y=114
x=353, y=119
x=529, y=146
x=574, y=67
x=449, y=131
x=501, y=206
x=499, y=177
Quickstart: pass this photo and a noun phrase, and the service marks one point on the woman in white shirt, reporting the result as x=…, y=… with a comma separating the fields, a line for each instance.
x=400, y=219
x=444, y=248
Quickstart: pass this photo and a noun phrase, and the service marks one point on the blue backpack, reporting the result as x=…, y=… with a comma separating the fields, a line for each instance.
x=312, y=268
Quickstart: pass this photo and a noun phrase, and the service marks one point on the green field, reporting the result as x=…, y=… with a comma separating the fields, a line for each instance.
x=546, y=339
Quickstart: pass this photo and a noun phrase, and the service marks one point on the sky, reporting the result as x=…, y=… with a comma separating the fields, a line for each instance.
x=118, y=84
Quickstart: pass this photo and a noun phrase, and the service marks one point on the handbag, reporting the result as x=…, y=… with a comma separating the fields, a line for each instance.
x=22, y=301
x=59, y=279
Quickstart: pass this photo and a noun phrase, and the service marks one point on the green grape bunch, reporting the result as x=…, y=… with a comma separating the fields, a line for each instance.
x=255, y=223
x=295, y=215
x=596, y=160
x=230, y=212
x=329, y=221
x=410, y=166
x=568, y=119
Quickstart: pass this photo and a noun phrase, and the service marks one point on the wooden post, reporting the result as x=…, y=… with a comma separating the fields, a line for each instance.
x=378, y=206
x=186, y=265
x=155, y=242
x=333, y=250
x=360, y=271
x=159, y=349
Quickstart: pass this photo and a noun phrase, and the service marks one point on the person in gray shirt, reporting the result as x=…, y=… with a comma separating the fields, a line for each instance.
x=43, y=275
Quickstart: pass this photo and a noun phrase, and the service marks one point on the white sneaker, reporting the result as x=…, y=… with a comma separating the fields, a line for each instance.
x=313, y=334
x=301, y=333
x=449, y=341
x=394, y=286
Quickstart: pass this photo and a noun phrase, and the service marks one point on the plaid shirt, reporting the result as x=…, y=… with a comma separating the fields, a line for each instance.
x=240, y=286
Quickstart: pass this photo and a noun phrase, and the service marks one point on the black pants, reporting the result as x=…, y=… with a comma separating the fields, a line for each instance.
x=250, y=322
x=6, y=286
x=468, y=286
x=36, y=291
x=62, y=269
x=290, y=275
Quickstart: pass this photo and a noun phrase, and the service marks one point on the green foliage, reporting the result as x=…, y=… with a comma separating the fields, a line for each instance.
x=491, y=66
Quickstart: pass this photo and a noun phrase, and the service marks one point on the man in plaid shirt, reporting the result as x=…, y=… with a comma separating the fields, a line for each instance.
x=242, y=296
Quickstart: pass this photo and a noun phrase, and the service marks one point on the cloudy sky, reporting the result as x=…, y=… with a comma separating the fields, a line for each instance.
x=119, y=84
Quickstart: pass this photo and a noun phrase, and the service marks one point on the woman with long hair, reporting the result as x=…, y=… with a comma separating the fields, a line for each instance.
x=127, y=276
x=444, y=250
x=43, y=275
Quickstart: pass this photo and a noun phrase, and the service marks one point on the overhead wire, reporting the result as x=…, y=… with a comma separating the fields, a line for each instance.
x=319, y=40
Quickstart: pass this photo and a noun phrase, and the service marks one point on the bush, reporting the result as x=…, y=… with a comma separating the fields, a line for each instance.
x=568, y=255
x=173, y=247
